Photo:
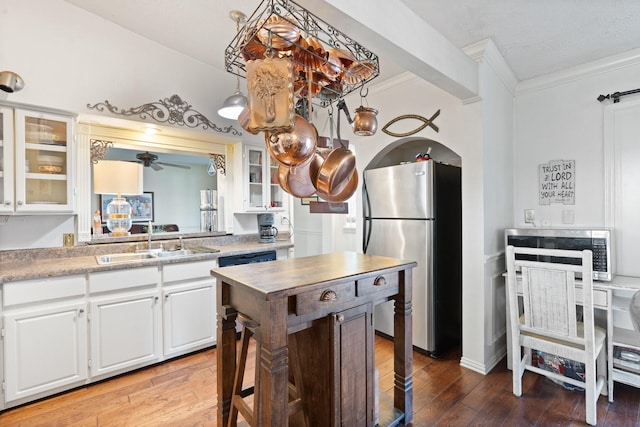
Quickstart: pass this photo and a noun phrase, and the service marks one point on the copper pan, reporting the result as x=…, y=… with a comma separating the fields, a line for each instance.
x=336, y=170
x=299, y=180
x=344, y=191
x=294, y=147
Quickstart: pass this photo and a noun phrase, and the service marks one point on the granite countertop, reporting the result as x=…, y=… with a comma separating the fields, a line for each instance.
x=35, y=264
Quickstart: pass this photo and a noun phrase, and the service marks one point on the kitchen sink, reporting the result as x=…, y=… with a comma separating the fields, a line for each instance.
x=176, y=253
x=138, y=256
x=113, y=258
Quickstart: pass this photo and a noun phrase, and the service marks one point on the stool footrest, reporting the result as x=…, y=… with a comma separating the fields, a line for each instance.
x=247, y=391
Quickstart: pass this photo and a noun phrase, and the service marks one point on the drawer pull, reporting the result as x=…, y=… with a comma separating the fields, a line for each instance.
x=340, y=318
x=380, y=281
x=328, y=296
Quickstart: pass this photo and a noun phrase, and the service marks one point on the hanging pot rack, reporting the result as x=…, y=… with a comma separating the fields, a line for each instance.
x=327, y=61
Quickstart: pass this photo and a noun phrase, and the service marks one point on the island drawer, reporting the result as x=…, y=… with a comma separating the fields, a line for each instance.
x=324, y=298
x=386, y=284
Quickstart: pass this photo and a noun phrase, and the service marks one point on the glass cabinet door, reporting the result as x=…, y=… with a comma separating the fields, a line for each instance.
x=276, y=193
x=43, y=162
x=6, y=159
x=256, y=196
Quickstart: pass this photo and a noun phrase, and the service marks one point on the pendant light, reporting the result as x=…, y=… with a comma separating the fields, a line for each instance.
x=233, y=105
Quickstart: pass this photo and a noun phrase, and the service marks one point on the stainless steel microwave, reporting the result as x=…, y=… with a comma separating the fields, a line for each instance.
x=576, y=239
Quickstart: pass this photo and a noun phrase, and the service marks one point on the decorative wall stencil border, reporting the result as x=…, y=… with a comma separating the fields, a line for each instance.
x=98, y=149
x=426, y=122
x=172, y=110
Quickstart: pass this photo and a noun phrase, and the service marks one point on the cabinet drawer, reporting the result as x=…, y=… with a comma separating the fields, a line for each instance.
x=325, y=298
x=383, y=284
x=36, y=290
x=599, y=297
x=187, y=271
x=123, y=279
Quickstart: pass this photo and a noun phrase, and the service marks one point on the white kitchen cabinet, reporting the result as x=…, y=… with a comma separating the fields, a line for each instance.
x=125, y=320
x=6, y=160
x=45, y=343
x=189, y=294
x=38, y=161
x=258, y=182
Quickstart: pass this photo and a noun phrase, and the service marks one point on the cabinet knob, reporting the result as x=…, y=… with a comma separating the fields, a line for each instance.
x=19, y=202
x=81, y=311
x=380, y=281
x=327, y=296
x=7, y=202
x=340, y=318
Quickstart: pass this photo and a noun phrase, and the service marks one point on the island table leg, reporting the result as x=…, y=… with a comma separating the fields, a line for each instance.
x=403, y=348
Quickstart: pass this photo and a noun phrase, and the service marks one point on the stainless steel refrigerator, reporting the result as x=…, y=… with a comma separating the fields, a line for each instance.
x=413, y=211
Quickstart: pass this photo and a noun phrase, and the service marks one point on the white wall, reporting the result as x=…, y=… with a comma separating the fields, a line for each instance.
x=558, y=117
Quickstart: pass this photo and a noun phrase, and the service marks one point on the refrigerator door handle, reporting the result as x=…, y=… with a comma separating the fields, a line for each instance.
x=366, y=218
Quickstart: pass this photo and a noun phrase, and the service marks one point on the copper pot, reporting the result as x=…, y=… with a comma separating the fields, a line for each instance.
x=365, y=122
x=244, y=119
x=299, y=181
x=335, y=171
x=294, y=147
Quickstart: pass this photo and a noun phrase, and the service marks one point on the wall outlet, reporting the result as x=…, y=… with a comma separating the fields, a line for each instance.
x=567, y=216
x=67, y=239
x=529, y=216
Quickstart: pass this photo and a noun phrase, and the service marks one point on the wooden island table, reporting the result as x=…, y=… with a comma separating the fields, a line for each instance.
x=326, y=303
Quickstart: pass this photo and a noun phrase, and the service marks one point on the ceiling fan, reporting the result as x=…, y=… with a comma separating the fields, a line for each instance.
x=149, y=159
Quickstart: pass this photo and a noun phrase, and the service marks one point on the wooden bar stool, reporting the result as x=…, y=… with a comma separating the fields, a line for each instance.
x=238, y=403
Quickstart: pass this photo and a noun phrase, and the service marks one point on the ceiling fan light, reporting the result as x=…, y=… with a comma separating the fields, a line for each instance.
x=233, y=106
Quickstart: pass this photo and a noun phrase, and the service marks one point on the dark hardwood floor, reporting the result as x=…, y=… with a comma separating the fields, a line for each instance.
x=182, y=392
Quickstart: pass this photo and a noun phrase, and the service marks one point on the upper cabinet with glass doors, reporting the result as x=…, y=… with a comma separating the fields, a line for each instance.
x=37, y=161
x=259, y=182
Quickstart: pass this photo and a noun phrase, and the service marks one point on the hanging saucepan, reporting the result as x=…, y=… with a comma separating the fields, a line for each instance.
x=336, y=169
x=292, y=148
x=299, y=180
x=344, y=191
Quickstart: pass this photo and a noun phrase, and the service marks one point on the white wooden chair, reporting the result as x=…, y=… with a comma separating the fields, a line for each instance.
x=549, y=321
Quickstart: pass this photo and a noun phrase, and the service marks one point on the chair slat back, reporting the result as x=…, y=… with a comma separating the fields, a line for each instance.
x=549, y=292
x=549, y=300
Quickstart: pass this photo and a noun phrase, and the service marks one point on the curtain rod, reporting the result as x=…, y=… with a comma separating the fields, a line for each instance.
x=617, y=95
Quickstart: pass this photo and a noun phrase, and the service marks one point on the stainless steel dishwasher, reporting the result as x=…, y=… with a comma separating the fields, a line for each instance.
x=247, y=258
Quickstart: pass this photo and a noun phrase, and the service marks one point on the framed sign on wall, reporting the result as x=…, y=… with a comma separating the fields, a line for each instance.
x=557, y=181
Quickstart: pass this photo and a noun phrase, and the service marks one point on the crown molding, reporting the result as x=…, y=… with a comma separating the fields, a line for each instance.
x=590, y=69
x=487, y=52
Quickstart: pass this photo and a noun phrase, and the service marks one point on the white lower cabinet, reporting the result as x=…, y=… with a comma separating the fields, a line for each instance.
x=45, y=343
x=125, y=332
x=126, y=320
x=189, y=307
x=64, y=332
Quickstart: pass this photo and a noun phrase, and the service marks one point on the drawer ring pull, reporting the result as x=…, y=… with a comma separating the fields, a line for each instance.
x=380, y=281
x=328, y=296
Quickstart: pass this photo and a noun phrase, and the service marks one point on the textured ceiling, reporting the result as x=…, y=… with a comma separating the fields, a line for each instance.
x=534, y=36
x=538, y=36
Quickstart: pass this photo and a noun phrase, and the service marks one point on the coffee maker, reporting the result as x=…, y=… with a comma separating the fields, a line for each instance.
x=266, y=230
